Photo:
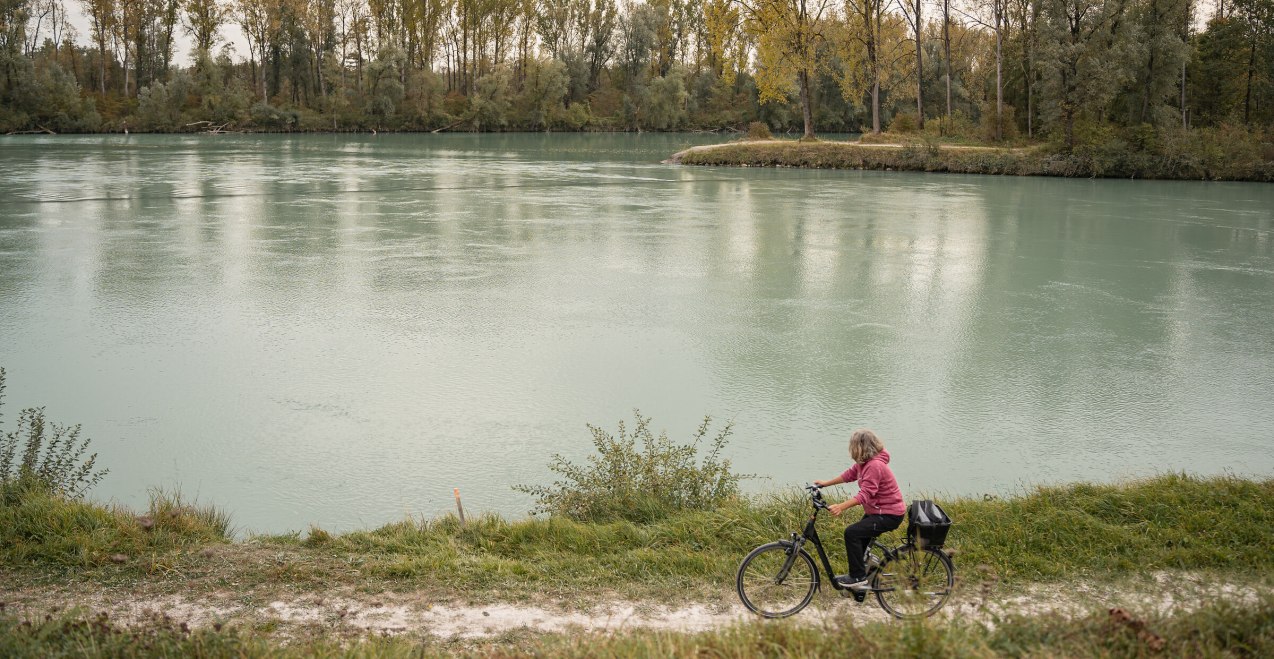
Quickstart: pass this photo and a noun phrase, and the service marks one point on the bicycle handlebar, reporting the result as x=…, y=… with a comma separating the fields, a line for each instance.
x=816, y=496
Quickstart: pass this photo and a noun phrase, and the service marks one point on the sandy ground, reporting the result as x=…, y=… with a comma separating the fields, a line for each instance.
x=348, y=613
x=676, y=158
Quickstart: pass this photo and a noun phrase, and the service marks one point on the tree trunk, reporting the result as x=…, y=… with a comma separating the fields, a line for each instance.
x=265, y=98
x=946, y=50
x=101, y=65
x=875, y=106
x=806, y=113
x=920, y=109
x=873, y=60
x=1150, y=80
x=1247, y=95
x=1185, y=36
x=1184, y=123
x=999, y=77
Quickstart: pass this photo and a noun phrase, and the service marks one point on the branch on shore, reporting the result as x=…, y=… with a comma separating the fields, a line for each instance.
x=213, y=129
x=40, y=130
x=450, y=125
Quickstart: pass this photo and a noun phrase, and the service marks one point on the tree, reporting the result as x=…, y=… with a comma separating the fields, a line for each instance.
x=946, y=52
x=1257, y=20
x=911, y=12
x=259, y=20
x=599, y=45
x=722, y=37
x=101, y=15
x=1086, y=48
x=788, y=36
x=997, y=23
x=869, y=52
x=1161, y=52
x=203, y=20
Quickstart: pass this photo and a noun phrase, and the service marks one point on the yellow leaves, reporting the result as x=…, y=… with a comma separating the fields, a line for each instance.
x=870, y=46
x=788, y=34
x=726, y=46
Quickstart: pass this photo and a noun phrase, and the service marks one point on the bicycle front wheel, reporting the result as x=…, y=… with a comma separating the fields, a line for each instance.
x=775, y=582
x=914, y=583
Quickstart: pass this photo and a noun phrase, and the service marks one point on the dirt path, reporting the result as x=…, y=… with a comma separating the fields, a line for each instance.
x=347, y=613
x=772, y=144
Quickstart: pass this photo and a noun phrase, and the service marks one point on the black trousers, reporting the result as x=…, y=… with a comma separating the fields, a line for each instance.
x=858, y=537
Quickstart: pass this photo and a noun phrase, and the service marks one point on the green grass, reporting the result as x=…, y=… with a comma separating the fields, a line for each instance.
x=45, y=529
x=1170, y=522
x=1221, y=629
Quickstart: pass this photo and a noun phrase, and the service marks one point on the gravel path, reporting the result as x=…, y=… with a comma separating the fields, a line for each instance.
x=348, y=613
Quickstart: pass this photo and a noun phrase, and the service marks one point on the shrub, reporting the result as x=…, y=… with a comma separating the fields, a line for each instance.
x=639, y=477
x=759, y=131
x=52, y=458
x=956, y=127
x=904, y=122
x=269, y=117
x=1008, y=125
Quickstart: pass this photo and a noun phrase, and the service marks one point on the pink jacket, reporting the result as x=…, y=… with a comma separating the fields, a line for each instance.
x=877, y=488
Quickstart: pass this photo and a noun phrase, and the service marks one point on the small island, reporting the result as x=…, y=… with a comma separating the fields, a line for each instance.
x=929, y=155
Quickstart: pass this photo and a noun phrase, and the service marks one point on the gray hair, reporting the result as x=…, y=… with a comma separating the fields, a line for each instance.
x=864, y=445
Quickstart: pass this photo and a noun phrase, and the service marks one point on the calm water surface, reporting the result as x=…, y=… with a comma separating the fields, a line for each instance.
x=338, y=330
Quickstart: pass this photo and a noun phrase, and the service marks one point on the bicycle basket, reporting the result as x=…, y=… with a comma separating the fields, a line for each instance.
x=927, y=524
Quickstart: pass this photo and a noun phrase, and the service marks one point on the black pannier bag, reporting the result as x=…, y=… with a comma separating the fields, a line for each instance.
x=927, y=524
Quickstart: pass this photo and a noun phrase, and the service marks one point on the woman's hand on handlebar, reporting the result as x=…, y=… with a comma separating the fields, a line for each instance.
x=829, y=482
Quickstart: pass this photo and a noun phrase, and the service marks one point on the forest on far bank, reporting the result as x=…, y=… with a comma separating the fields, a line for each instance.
x=1068, y=71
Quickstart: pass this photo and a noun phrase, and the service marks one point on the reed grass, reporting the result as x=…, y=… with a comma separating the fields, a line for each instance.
x=43, y=528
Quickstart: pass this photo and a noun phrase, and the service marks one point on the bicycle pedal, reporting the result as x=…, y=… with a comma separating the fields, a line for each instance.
x=859, y=597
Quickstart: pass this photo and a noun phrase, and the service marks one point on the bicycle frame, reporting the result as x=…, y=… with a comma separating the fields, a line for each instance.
x=810, y=534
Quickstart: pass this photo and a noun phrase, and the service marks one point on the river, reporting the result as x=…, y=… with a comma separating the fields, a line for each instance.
x=337, y=330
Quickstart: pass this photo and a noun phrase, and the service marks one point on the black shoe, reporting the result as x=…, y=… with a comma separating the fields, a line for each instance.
x=855, y=585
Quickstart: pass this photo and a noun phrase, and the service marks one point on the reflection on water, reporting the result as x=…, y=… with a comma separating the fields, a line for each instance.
x=338, y=330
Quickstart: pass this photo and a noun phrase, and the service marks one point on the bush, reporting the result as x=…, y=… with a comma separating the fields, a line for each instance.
x=52, y=458
x=269, y=117
x=904, y=122
x=639, y=477
x=1008, y=125
x=958, y=127
x=759, y=131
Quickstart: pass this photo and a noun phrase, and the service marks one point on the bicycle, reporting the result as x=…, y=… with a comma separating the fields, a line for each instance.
x=909, y=581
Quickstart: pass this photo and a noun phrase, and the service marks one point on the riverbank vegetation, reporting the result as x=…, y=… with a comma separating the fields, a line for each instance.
x=1070, y=71
x=1210, y=154
x=1171, y=522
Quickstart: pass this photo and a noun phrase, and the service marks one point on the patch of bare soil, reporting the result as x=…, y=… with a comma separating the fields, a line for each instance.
x=347, y=613
x=676, y=158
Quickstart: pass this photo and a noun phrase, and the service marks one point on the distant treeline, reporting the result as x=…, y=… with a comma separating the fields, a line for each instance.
x=994, y=70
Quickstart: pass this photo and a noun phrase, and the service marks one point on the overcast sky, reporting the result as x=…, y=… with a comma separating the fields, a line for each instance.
x=230, y=34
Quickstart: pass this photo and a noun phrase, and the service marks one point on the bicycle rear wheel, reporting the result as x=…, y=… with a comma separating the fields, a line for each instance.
x=764, y=590
x=914, y=583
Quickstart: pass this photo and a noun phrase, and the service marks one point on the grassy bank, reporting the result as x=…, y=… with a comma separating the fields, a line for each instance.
x=1216, y=630
x=1171, y=522
x=1191, y=162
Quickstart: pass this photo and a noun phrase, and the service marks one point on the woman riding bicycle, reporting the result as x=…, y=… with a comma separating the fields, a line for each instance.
x=879, y=496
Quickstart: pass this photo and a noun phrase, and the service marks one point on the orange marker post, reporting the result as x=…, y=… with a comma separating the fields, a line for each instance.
x=459, y=507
